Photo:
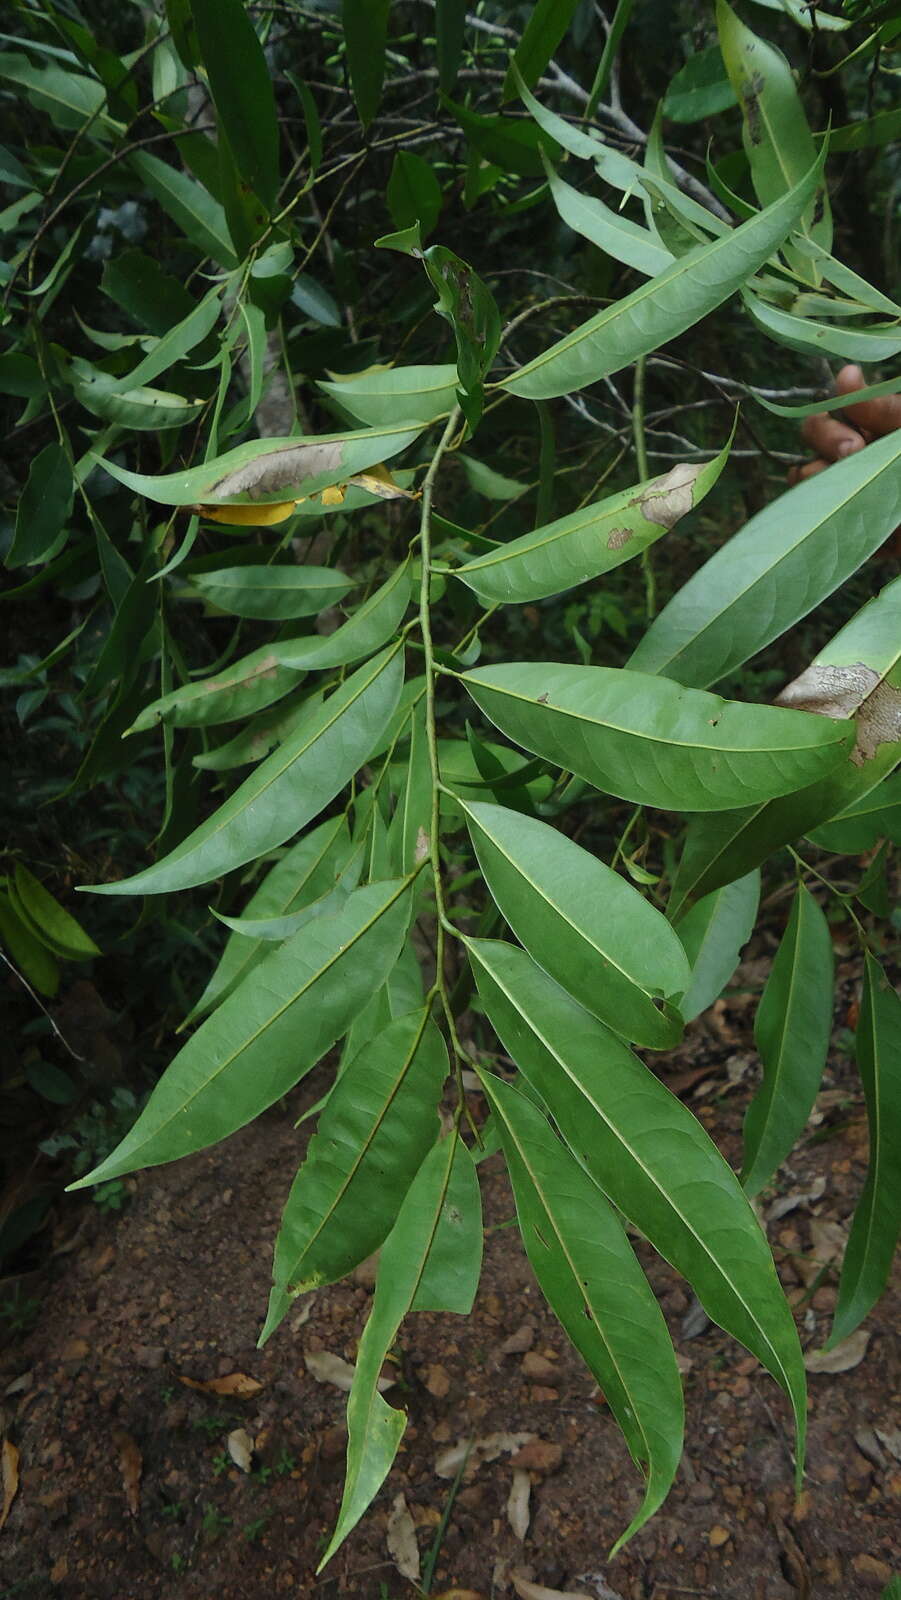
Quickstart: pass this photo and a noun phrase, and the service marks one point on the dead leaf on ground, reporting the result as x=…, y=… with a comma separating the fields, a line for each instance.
x=241, y=1447
x=519, y=1341
x=303, y=1310
x=131, y=1466
x=540, y=1455
x=536, y=1591
x=448, y=1463
x=328, y=1368
x=828, y=1240
x=843, y=1357
x=891, y=1438
x=790, y=1202
x=401, y=1539
x=518, y=1502
x=9, y=1477
x=236, y=1384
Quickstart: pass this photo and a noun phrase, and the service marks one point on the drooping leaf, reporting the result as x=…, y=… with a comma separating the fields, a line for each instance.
x=776, y=569
x=408, y=839
x=242, y=688
x=175, y=344
x=269, y=1032
x=241, y=87
x=51, y=923
x=547, y=24
x=144, y=410
x=649, y=740
x=590, y=541
x=259, y=737
x=43, y=508
x=450, y=26
x=664, y=306
x=593, y=1283
x=714, y=932
x=190, y=206
x=439, y=1205
x=286, y=790
x=699, y=89
x=877, y=343
x=415, y=394
x=309, y=869
x=273, y=593
x=68, y=98
x=877, y=1217
x=365, y=631
x=469, y=306
x=269, y=471
x=617, y=235
x=584, y=924
x=413, y=193
x=649, y=1155
x=862, y=824
x=375, y=1131
x=27, y=952
x=791, y=1029
x=365, y=39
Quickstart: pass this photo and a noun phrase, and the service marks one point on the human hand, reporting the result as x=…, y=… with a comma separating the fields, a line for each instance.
x=832, y=439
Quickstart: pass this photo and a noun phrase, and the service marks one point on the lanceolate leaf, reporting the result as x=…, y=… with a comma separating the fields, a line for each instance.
x=145, y=410
x=877, y=1219
x=664, y=306
x=269, y=1032
x=274, y=594
x=259, y=737
x=306, y=871
x=38, y=964
x=590, y=541
x=376, y=1129
x=612, y=232
x=240, y=689
x=654, y=742
x=43, y=508
x=648, y=1154
x=714, y=932
x=860, y=826
x=392, y=394
x=439, y=1205
x=365, y=37
x=877, y=343
x=548, y=22
x=364, y=632
x=48, y=919
x=593, y=1283
x=288, y=789
x=583, y=923
x=782, y=564
x=792, y=1028
x=188, y=204
x=271, y=471
x=241, y=86
x=176, y=344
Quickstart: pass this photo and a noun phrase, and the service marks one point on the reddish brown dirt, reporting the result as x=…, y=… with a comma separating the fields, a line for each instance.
x=177, y=1285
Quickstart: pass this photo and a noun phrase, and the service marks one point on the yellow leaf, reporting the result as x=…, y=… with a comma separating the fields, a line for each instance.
x=247, y=516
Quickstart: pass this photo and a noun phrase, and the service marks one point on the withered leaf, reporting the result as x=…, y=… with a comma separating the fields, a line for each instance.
x=237, y=1385
x=537, y=1591
x=130, y=1465
x=843, y=1357
x=401, y=1539
x=9, y=1478
x=518, y=1502
x=328, y=1368
x=240, y=1448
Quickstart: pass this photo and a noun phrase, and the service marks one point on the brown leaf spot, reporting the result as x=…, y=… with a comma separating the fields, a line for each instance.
x=830, y=691
x=878, y=722
x=9, y=1477
x=288, y=468
x=617, y=537
x=668, y=498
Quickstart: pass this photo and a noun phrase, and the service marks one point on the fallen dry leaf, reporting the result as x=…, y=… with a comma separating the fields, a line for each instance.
x=891, y=1438
x=9, y=1477
x=540, y=1455
x=401, y=1539
x=437, y=1381
x=327, y=1368
x=846, y=1355
x=236, y=1384
x=448, y=1463
x=537, y=1591
x=519, y=1341
x=518, y=1503
x=240, y=1448
x=130, y=1465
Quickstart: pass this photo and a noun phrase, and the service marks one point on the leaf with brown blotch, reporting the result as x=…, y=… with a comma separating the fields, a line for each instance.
x=236, y=1384
x=9, y=1478
x=131, y=1465
x=377, y=481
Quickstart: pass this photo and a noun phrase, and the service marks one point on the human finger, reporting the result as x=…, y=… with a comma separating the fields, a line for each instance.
x=830, y=438
x=878, y=417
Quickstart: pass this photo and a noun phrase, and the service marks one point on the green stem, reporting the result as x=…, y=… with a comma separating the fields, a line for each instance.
x=608, y=56
x=644, y=472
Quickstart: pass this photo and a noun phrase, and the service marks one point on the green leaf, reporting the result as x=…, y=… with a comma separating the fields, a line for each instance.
x=548, y=21
x=878, y=343
x=589, y=1275
x=414, y=193
x=776, y=569
x=801, y=12
x=376, y=1129
x=387, y=394
x=266, y=471
x=269, y=1032
x=199, y=216
x=44, y=507
x=274, y=594
x=584, y=924
x=256, y=681
x=469, y=306
x=145, y=410
x=611, y=231
x=700, y=89
x=259, y=737
x=450, y=27
x=175, y=344
x=365, y=631
x=241, y=87
x=651, y=741
x=48, y=920
x=275, y=930
x=68, y=98
x=590, y=541
x=775, y=132
x=365, y=41
x=836, y=402
x=440, y=1202
x=411, y=823
x=714, y=932
x=866, y=134
x=505, y=142
x=305, y=872
x=791, y=1030
x=861, y=825
x=154, y=300
x=877, y=1218
x=286, y=790
x=648, y=1154
x=664, y=306
x=36, y=963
